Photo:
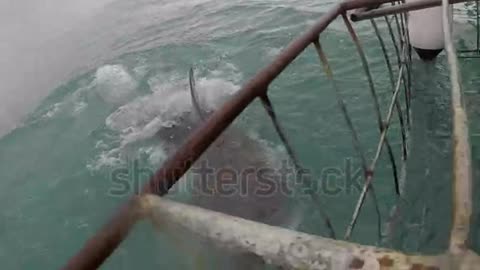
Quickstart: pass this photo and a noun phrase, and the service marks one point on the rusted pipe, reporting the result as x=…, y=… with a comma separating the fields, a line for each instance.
x=104, y=242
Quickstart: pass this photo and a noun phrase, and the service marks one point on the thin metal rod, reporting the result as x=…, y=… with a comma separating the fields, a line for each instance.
x=267, y=104
x=355, y=140
x=381, y=124
x=368, y=182
x=411, y=6
x=397, y=104
x=341, y=104
x=403, y=34
x=408, y=67
x=399, y=61
x=370, y=82
x=348, y=120
x=387, y=121
x=382, y=141
x=394, y=40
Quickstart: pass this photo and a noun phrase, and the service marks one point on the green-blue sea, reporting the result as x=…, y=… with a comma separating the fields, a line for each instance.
x=121, y=73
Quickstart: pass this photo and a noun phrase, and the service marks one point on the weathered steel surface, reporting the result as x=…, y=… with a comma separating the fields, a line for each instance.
x=462, y=164
x=287, y=248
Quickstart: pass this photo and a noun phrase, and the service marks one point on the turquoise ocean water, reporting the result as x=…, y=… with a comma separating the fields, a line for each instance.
x=56, y=167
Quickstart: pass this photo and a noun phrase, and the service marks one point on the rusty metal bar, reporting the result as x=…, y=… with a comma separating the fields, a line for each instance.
x=403, y=35
x=108, y=237
x=403, y=39
x=408, y=66
x=383, y=137
x=399, y=25
x=397, y=104
x=104, y=242
x=382, y=141
x=381, y=127
x=348, y=120
x=399, y=61
x=382, y=11
x=267, y=104
x=372, y=88
x=341, y=103
x=394, y=40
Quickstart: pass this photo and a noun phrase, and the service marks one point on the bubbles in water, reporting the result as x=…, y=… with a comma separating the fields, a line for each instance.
x=114, y=84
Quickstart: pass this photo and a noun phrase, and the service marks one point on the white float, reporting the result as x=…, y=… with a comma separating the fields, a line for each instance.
x=426, y=31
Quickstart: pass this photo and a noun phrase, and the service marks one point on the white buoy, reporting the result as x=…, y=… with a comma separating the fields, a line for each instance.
x=426, y=31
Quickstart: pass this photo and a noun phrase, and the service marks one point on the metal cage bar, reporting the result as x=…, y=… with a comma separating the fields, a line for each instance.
x=382, y=126
x=462, y=164
x=312, y=252
x=267, y=104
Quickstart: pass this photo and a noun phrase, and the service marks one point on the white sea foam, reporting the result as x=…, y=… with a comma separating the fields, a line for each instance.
x=142, y=117
x=114, y=84
x=53, y=111
x=271, y=52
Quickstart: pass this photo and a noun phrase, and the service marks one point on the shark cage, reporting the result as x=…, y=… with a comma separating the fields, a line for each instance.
x=290, y=249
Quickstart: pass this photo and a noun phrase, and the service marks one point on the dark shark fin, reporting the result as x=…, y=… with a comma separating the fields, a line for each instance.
x=194, y=96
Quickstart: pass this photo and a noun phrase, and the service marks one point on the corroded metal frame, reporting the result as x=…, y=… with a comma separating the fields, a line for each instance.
x=275, y=244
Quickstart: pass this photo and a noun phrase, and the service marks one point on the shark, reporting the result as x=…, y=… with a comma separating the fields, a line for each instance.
x=234, y=176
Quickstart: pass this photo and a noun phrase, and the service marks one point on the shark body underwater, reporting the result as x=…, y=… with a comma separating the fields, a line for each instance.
x=234, y=158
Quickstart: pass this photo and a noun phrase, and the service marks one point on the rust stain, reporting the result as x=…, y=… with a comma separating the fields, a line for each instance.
x=357, y=263
x=385, y=261
x=463, y=246
x=416, y=266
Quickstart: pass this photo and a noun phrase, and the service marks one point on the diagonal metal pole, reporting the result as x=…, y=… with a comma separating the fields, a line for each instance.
x=380, y=122
x=348, y=120
x=267, y=104
x=397, y=104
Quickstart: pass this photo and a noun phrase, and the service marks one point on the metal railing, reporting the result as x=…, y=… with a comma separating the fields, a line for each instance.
x=289, y=248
